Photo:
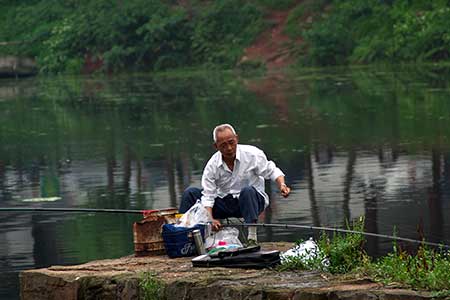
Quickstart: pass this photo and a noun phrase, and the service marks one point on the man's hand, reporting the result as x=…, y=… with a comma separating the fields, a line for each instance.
x=216, y=225
x=285, y=190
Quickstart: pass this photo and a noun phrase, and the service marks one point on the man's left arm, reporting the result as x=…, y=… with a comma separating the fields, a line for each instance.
x=268, y=169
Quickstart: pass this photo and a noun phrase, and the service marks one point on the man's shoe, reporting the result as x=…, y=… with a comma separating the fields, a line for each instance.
x=251, y=242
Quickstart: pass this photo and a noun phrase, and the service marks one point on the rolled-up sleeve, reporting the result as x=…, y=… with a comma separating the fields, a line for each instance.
x=267, y=168
x=209, y=186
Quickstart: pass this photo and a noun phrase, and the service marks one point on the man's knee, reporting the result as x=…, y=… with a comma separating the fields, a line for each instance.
x=248, y=192
x=189, y=197
x=191, y=192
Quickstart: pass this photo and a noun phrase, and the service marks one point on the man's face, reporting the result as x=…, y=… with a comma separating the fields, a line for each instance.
x=226, y=143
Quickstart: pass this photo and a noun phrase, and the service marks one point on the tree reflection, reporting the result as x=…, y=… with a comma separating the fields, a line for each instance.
x=170, y=171
x=350, y=169
x=434, y=198
x=370, y=220
x=312, y=196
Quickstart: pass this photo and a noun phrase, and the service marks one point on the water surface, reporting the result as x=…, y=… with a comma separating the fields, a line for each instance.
x=353, y=142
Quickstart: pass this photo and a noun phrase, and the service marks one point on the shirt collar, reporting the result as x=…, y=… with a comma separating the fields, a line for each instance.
x=238, y=153
x=220, y=162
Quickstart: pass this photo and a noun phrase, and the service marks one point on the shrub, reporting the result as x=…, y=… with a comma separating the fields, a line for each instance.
x=151, y=287
x=223, y=29
x=361, y=31
x=428, y=269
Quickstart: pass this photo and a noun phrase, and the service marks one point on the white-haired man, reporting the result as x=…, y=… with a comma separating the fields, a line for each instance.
x=233, y=181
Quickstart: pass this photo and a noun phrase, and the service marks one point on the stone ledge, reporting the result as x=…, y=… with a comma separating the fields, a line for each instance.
x=119, y=279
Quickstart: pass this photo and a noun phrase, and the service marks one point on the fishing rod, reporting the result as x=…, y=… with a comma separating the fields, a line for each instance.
x=273, y=225
x=319, y=228
x=74, y=210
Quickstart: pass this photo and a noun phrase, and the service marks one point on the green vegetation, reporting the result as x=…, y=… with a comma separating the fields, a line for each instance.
x=302, y=16
x=361, y=31
x=342, y=254
x=157, y=35
x=135, y=34
x=428, y=269
x=151, y=287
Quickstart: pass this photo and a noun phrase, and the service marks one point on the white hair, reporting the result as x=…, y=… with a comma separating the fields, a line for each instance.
x=221, y=127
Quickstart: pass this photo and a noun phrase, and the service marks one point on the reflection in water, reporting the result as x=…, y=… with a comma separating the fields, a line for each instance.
x=311, y=191
x=350, y=169
x=434, y=198
x=352, y=143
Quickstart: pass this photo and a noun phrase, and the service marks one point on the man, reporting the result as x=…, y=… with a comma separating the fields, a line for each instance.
x=233, y=181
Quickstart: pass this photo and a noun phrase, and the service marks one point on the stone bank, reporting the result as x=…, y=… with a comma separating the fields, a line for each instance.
x=119, y=279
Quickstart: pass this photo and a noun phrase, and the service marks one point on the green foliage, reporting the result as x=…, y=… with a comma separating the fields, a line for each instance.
x=223, y=29
x=361, y=31
x=276, y=4
x=151, y=287
x=301, y=17
x=329, y=43
x=135, y=34
x=344, y=252
x=428, y=269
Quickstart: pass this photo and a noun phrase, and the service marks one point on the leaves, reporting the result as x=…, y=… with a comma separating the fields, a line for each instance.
x=361, y=31
x=131, y=34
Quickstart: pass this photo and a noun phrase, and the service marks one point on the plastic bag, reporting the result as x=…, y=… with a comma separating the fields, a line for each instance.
x=225, y=236
x=306, y=251
x=197, y=214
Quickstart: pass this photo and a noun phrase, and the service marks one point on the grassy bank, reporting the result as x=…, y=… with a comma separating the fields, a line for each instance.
x=426, y=269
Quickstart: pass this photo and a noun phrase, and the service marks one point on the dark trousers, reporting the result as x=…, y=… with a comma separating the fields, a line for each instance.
x=248, y=206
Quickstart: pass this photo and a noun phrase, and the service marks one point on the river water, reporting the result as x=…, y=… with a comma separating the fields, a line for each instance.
x=371, y=142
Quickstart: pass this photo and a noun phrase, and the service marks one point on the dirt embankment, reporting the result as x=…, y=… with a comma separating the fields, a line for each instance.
x=272, y=47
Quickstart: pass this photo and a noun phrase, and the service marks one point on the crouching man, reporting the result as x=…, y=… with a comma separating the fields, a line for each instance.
x=233, y=181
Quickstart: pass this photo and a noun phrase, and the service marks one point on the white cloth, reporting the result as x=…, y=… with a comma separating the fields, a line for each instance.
x=251, y=167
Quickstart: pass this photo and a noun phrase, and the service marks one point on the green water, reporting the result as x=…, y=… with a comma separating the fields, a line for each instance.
x=352, y=142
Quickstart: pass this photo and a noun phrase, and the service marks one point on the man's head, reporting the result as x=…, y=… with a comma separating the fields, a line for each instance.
x=225, y=140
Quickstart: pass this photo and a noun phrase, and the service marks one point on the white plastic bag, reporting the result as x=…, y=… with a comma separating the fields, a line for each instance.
x=306, y=251
x=197, y=214
x=227, y=235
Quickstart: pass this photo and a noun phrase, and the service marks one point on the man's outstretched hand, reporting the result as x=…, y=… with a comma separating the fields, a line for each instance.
x=285, y=190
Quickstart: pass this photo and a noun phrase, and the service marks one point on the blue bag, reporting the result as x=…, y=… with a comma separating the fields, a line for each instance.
x=178, y=241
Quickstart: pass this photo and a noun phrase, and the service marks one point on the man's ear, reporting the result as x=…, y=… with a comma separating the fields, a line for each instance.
x=215, y=146
x=237, y=138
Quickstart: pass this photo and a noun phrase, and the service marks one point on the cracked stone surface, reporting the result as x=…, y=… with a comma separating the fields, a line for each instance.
x=119, y=279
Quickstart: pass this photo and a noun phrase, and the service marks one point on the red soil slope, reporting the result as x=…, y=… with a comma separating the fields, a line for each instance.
x=272, y=46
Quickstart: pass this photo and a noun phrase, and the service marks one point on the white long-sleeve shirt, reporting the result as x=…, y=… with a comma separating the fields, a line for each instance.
x=251, y=167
